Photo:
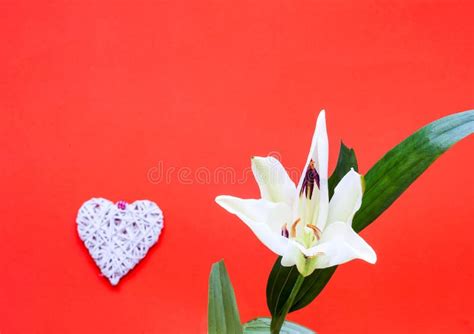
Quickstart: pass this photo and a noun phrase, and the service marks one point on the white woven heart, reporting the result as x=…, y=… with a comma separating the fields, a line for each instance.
x=118, y=235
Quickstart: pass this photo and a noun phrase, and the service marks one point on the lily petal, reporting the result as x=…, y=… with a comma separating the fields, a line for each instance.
x=264, y=218
x=273, y=180
x=291, y=256
x=319, y=155
x=340, y=244
x=347, y=198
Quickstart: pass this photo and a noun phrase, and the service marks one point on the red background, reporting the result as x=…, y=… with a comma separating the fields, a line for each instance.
x=94, y=94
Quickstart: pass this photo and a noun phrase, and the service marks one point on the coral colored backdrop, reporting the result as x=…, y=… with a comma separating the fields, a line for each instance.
x=98, y=97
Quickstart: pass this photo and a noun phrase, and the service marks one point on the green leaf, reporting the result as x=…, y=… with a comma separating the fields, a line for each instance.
x=223, y=314
x=279, y=286
x=262, y=325
x=403, y=164
x=312, y=286
x=282, y=279
x=384, y=183
x=347, y=160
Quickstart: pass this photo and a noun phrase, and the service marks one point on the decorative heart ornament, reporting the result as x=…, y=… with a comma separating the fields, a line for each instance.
x=118, y=235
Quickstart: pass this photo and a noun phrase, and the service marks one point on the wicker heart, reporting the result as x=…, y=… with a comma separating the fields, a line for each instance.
x=118, y=235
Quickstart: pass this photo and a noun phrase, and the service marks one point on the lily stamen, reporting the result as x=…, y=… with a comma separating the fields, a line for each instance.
x=310, y=179
x=293, y=228
x=316, y=230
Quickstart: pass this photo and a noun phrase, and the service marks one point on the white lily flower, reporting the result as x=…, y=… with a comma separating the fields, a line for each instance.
x=300, y=223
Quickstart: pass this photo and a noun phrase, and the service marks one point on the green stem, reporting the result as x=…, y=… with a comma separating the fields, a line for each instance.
x=278, y=320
